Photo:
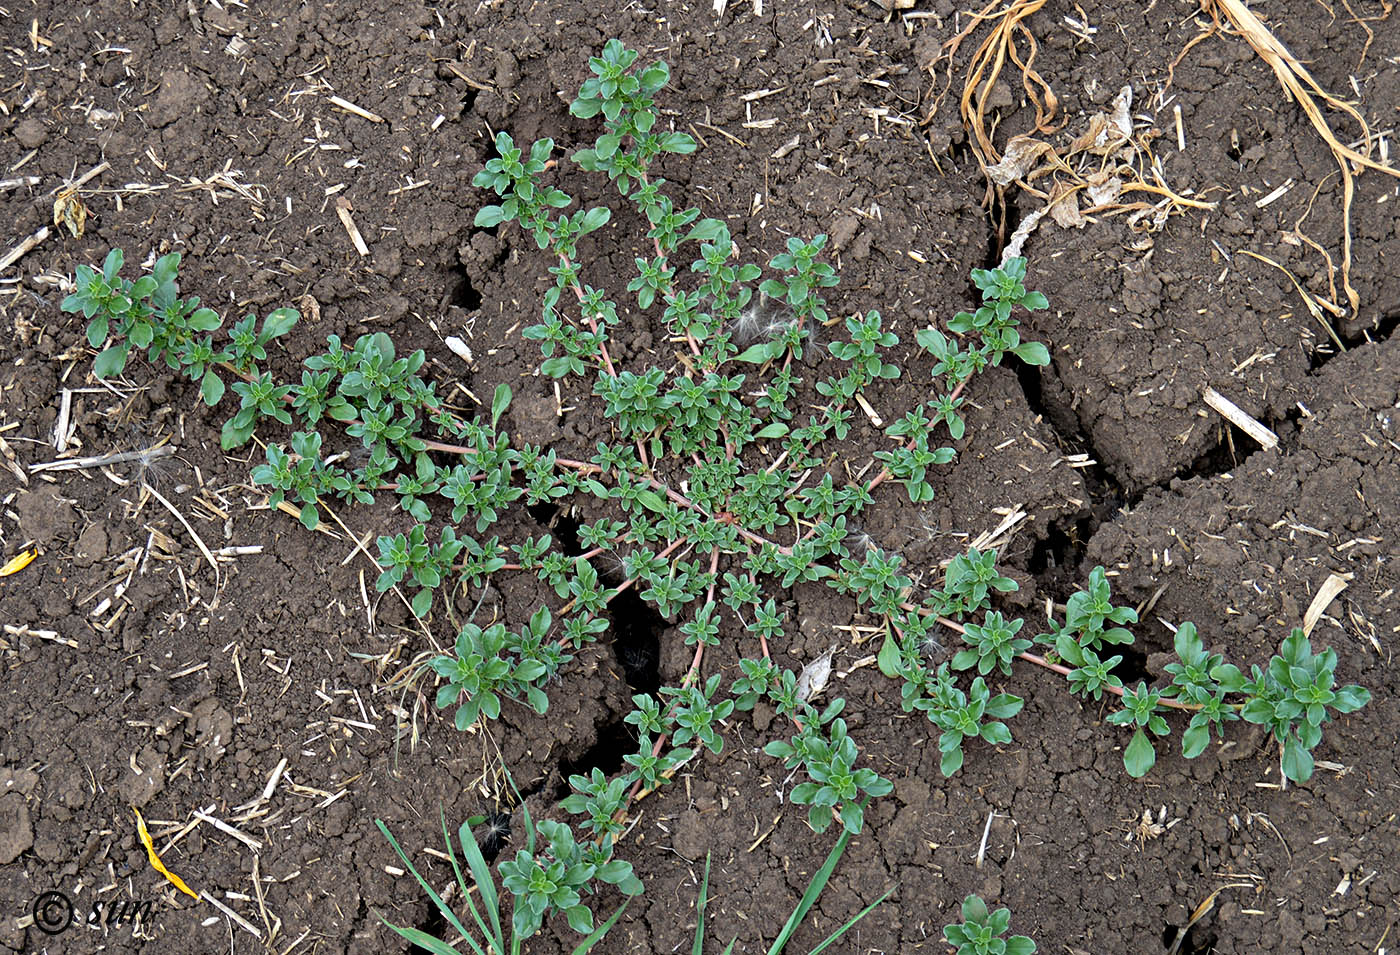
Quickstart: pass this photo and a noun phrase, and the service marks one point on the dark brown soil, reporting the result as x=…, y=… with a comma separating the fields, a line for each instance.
x=169, y=688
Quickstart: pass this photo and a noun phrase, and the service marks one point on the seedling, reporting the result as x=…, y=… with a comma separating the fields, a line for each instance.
x=980, y=931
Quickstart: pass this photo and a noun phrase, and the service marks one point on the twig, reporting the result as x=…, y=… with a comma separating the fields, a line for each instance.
x=224, y=827
x=342, y=209
x=53, y=635
x=70, y=464
x=986, y=831
x=1234, y=414
x=82, y=180
x=350, y=107
x=19, y=251
x=242, y=922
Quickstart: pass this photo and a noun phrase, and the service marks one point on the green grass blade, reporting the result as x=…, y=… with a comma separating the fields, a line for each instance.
x=423, y=940
x=583, y=947
x=442, y=906
x=847, y=927
x=482, y=874
x=814, y=889
x=700, y=902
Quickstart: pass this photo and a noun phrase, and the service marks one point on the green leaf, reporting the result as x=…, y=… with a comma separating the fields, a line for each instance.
x=1229, y=677
x=143, y=287
x=888, y=658
x=585, y=108
x=166, y=269
x=580, y=919
x=556, y=367
x=279, y=322
x=1019, y=944
x=607, y=145
x=706, y=230
x=1297, y=762
x=236, y=431
x=500, y=401
x=1351, y=698
x=1195, y=740
x=112, y=265
x=309, y=517
x=761, y=352
x=595, y=218
x=422, y=601
x=488, y=216
x=1032, y=353
x=679, y=143
x=97, y=331
x=651, y=500
x=1004, y=706
x=205, y=320
x=952, y=761
x=974, y=909
x=655, y=76
x=775, y=430
x=111, y=361
x=211, y=388
x=1139, y=756
x=996, y=733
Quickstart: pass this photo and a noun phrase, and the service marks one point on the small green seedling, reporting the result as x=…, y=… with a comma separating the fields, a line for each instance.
x=980, y=932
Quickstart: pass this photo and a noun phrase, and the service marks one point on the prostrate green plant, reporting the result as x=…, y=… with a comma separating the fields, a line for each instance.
x=488, y=664
x=1292, y=697
x=700, y=426
x=149, y=314
x=716, y=487
x=980, y=932
x=829, y=757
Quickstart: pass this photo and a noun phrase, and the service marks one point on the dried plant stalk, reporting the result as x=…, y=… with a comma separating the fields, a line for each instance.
x=1300, y=85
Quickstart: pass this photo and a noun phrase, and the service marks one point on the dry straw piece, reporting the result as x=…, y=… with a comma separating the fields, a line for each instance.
x=1092, y=173
x=1030, y=156
x=1305, y=91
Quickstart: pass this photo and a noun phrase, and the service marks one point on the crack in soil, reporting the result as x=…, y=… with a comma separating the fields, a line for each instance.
x=1353, y=337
